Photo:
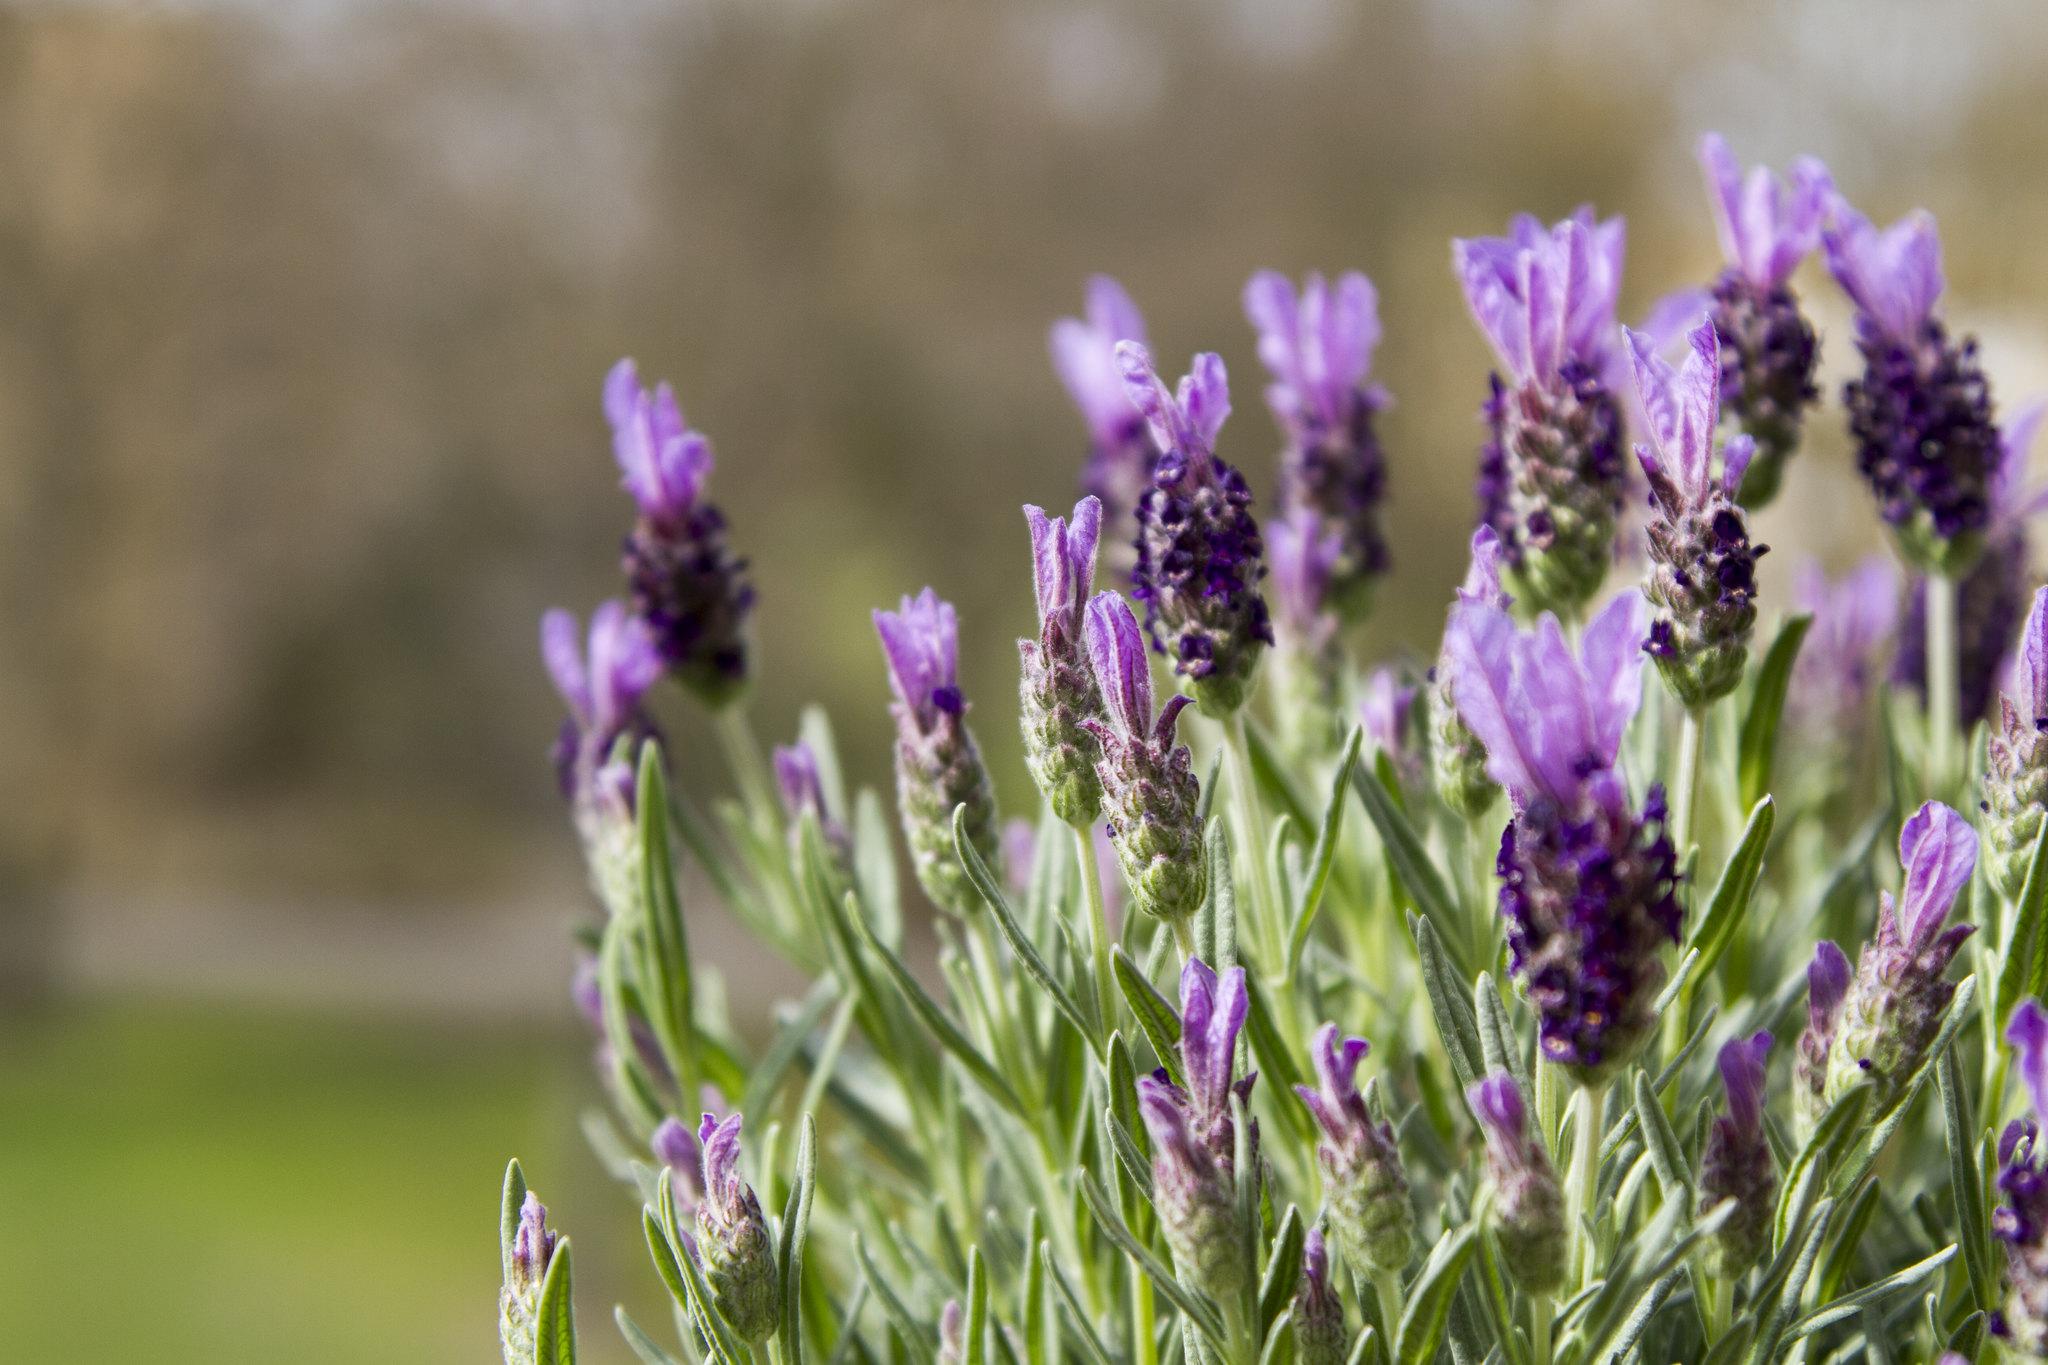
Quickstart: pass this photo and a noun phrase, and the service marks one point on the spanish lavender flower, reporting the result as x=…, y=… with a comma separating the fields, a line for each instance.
x=1992, y=597
x=1194, y=1136
x=1386, y=711
x=1120, y=449
x=1768, y=349
x=1736, y=1162
x=2016, y=771
x=687, y=584
x=1827, y=986
x=1150, y=796
x=803, y=794
x=738, y=1251
x=1920, y=412
x=1363, y=1180
x=1319, y=1334
x=1895, y=1003
x=678, y=1149
x=1059, y=690
x=938, y=765
x=1702, y=576
x=1458, y=758
x=1854, y=618
x=1588, y=886
x=1305, y=554
x=1528, y=1203
x=1318, y=347
x=2021, y=1219
x=533, y=1247
x=1200, y=558
x=596, y=750
x=1551, y=476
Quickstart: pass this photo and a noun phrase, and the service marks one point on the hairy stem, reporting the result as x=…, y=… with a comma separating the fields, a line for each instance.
x=1098, y=927
x=749, y=766
x=1942, y=667
x=1387, y=1284
x=1248, y=816
x=1585, y=1177
x=1685, y=791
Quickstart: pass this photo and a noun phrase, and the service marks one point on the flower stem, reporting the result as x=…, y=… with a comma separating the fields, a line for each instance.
x=1144, y=1349
x=1942, y=667
x=749, y=767
x=1585, y=1177
x=1248, y=815
x=1098, y=927
x=1541, y=1310
x=1686, y=790
x=1387, y=1283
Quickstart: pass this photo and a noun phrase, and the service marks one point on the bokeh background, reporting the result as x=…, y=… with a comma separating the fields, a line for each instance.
x=304, y=306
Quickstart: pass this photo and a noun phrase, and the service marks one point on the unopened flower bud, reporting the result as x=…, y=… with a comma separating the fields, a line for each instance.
x=2016, y=773
x=802, y=789
x=603, y=685
x=677, y=1148
x=1058, y=688
x=533, y=1247
x=952, y=1333
x=1528, y=1203
x=1827, y=986
x=733, y=1237
x=1363, y=1180
x=1736, y=1163
x=1457, y=757
x=1319, y=1335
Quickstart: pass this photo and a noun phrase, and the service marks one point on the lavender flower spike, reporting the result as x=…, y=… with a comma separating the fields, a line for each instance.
x=1120, y=449
x=1827, y=986
x=1320, y=1337
x=1854, y=618
x=687, y=584
x=1702, y=566
x=938, y=764
x=1458, y=758
x=2021, y=1219
x=802, y=790
x=1587, y=884
x=1318, y=347
x=1920, y=413
x=526, y=1266
x=1528, y=1203
x=2016, y=771
x=1894, y=1005
x=1386, y=711
x=596, y=751
x=1768, y=349
x=1305, y=554
x=1736, y=1161
x=1200, y=557
x=1363, y=1179
x=1551, y=475
x=1058, y=690
x=1150, y=795
x=733, y=1236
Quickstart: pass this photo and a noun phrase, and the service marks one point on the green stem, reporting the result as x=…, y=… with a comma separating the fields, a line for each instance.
x=1943, y=664
x=1183, y=938
x=1585, y=1177
x=1387, y=1283
x=749, y=767
x=1541, y=1310
x=1248, y=815
x=1685, y=791
x=1144, y=1346
x=1098, y=927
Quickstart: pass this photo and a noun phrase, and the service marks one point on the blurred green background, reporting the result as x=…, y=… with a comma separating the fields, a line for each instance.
x=304, y=307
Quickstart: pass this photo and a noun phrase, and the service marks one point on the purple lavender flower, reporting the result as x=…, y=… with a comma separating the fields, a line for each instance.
x=1059, y=691
x=602, y=688
x=1551, y=475
x=1736, y=1161
x=1150, y=796
x=1920, y=412
x=1827, y=986
x=677, y=1148
x=1992, y=596
x=1768, y=349
x=1318, y=347
x=1588, y=886
x=1363, y=1180
x=687, y=584
x=2016, y=771
x=938, y=765
x=526, y=1267
x=1386, y=712
x=733, y=1237
x=1528, y=1203
x=1854, y=618
x=1894, y=1005
x=1319, y=1334
x=1120, y=449
x=2021, y=1219
x=802, y=790
x=1200, y=557
x=1702, y=576
x=1458, y=758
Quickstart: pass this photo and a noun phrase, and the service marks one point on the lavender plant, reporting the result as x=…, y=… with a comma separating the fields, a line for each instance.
x=1028, y=1129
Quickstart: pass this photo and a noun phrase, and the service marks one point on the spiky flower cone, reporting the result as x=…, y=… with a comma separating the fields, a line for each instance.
x=733, y=1237
x=1736, y=1161
x=1363, y=1180
x=1319, y=1335
x=1058, y=688
x=533, y=1246
x=1528, y=1203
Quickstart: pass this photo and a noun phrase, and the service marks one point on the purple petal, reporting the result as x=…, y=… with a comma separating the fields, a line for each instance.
x=1084, y=357
x=1482, y=584
x=1478, y=644
x=921, y=644
x=723, y=1185
x=1116, y=654
x=1612, y=653
x=1735, y=458
x=560, y=651
x=2030, y=664
x=2027, y=1032
x=1681, y=406
x=1063, y=561
x=1384, y=710
x=796, y=778
x=2010, y=502
x=1497, y=1103
x=623, y=664
x=1724, y=192
x=1893, y=275
x=1939, y=851
x=1743, y=1064
x=1302, y=555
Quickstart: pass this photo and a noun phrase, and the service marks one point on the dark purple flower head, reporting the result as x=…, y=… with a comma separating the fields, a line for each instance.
x=533, y=1243
x=1766, y=228
x=1084, y=355
x=921, y=643
x=602, y=685
x=1735, y=1162
x=663, y=462
x=1063, y=565
x=1305, y=553
x=1893, y=275
x=1743, y=1062
x=1318, y=347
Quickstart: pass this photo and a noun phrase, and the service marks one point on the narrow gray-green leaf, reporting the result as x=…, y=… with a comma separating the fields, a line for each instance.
x=1156, y=1014
x=1729, y=905
x=1428, y=1302
x=789, y=1254
x=1877, y=1291
x=510, y=1202
x=1966, y=1183
x=1324, y=854
x=644, y=1346
x=1097, y=1352
x=1450, y=1005
x=975, y=1345
x=1025, y=950
x=554, y=1315
x=1666, y=1154
x=1410, y=862
x=2024, y=971
x=1197, y=1311
x=1283, y=1268
x=1758, y=747
x=1498, y=1046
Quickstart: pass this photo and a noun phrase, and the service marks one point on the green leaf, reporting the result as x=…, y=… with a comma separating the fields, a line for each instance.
x=1033, y=1296
x=1215, y=925
x=554, y=1317
x=789, y=1254
x=915, y=1334
x=1026, y=951
x=1428, y=1304
x=1778, y=1298
x=1450, y=1004
x=1674, y=1175
x=1328, y=834
x=1966, y=1183
x=646, y=1347
x=668, y=983
x=1808, y=1175
x=509, y=1203
x=2024, y=971
x=1129, y=1156
x=1196, y=1311
x=1758, y=747
x=976, y=1343
x=1729, y=905
x=1283, y=1268
x=1156, y=1014
x=1097, y=1352
x=1498, y=1046
x=1877, y=1291
x=874, y=867
x=1410, y=863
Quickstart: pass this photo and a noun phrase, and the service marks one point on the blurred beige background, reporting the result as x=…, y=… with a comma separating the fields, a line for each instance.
x=303, y=313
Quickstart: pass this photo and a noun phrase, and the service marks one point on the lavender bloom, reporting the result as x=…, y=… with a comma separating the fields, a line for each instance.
x=1059, y=691
x=1895, y=1003
x=1120, y=449
x=1992, y=597
x=1318, y=347
x=677, y=1148
x=1854, y=618
x=938, y=765
x=1305, y=554
x=1587, y=885
x=533, y=1248
x=687, y=584
x=1150, y=796
x=1702, y=576
x=1920, y=412
x=1736, y=1162
x=1319, y=1334
x=1458, y=757
x=738, y=1250
x=1363, y=1180
x=1200, y=557
x=1387, y=714
x=1827, y=986
x=1768, y=348
x=803, y=795
x=1528, y=1203
x=1551, y=475
x=2016, y=771
x=596, y=751
x=2021, y=1219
